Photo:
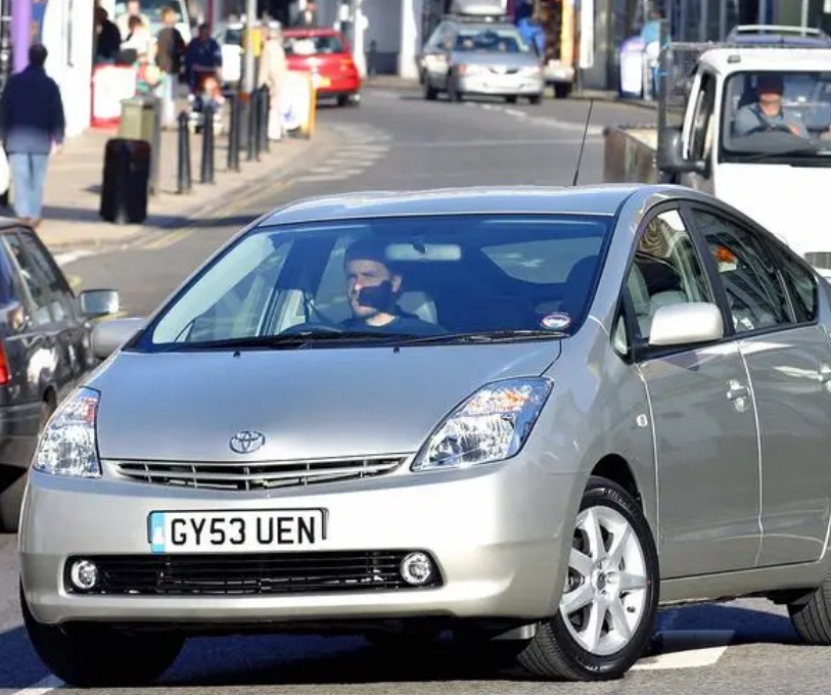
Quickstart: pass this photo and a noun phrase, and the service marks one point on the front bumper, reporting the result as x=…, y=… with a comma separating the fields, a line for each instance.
x=498, y=537
x=501, y=85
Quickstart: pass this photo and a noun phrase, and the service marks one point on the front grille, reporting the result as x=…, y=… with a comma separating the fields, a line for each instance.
x=505, y=71
x=253, y=476
x=249, y=574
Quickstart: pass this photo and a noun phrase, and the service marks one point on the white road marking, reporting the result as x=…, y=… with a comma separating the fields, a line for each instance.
x=683, y=649
x=46, y=685
x=68, y=257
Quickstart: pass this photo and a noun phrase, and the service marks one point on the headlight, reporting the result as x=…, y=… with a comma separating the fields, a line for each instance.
x=68, y=445
x=492, y=425
x=532, y=71
x=472, y=69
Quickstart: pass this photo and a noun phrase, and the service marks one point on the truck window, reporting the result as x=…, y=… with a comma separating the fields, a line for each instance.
x=701, y=139
x=783, y=114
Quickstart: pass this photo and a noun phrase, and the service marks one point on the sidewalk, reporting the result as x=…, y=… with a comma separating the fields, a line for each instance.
x=402, y=84
x=73, y=187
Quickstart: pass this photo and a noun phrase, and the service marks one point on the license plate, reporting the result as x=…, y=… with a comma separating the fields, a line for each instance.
x=237, y=532
x=319, y=81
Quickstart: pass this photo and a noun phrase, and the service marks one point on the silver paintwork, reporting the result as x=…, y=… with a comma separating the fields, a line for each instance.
x=110, y=335
x=726, y=442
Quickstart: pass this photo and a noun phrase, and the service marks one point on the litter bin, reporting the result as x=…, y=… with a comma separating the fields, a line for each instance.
x=631, y=68
x=141, y=119
x=125, y=178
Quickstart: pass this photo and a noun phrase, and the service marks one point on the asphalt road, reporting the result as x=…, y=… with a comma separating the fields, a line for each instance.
x=398, y=141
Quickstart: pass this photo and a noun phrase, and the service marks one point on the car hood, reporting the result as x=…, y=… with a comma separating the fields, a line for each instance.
x=316, y=403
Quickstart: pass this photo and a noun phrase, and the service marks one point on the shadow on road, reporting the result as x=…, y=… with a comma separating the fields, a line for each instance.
x=19, y=665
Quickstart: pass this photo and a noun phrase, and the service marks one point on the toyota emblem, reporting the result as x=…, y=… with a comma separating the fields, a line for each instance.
x=247, y=441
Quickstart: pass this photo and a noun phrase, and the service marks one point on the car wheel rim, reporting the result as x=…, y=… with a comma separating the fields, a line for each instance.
x=604, y=597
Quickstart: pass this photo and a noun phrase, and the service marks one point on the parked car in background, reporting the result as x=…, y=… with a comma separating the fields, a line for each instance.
x=325, y=54
x=45, y=350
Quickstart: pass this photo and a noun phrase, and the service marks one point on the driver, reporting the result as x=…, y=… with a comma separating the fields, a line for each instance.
x=767, y=113
x=373, y=287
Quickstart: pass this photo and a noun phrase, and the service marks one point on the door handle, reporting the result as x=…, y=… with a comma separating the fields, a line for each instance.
x=736, y=390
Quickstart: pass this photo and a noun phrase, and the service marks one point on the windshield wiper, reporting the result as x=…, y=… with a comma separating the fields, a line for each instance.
x=795, y=152
x=504, y=336
x=287, y=340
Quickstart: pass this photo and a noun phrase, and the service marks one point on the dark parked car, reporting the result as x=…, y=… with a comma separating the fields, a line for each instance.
x=45, y=349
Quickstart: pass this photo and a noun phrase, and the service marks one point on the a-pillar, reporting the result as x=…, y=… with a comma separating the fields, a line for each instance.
x=21, y=33
x=411, y=39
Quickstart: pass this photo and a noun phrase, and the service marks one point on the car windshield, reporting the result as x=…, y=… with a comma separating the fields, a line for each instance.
x=503, y=40
x=778, y=117
x=410, y=277
x=312, y=45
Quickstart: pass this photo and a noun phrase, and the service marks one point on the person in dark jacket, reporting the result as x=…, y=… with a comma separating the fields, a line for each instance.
x=32, y=127
x=307, y=18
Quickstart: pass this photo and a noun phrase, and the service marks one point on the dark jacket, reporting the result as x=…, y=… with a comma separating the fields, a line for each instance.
x=31, y=112
x=170, y=49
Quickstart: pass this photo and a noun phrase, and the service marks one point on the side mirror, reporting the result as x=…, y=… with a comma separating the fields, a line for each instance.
x=109, y=336
x=684, y=324
x=670, y=154
x=97, y=303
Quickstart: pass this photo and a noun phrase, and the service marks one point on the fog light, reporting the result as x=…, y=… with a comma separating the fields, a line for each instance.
x=84, y=575
x=416, y=569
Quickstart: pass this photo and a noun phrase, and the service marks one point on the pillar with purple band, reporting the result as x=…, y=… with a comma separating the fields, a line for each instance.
x=21, y=33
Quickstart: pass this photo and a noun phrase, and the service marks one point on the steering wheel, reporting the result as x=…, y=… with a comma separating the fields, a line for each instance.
x=313, y=327
x=769, y=128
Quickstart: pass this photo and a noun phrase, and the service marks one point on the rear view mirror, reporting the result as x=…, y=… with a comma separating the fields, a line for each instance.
x=109, y=336
x=686, y=324
x=97, y=303
x=670, y=155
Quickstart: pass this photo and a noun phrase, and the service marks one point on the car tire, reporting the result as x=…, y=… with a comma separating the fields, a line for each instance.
x=11, y=499
x=97, y=656
x=558, y=650
x=535, y=100
x=430, y=92
x=811, y=616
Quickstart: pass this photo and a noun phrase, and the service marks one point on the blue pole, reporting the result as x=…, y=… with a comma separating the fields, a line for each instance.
x=21, y=33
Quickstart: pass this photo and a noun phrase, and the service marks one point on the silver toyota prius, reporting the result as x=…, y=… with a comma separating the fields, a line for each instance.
x=526, y=416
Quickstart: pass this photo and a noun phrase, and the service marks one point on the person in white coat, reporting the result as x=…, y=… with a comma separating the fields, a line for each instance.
x=272, y=72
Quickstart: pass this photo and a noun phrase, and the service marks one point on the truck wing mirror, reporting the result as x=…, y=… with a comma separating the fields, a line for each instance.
x=671, y=154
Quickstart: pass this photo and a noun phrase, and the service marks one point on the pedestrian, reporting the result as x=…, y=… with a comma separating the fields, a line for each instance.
x=307, y=18
x=108, y=38
x=203, y=58
x=133, y=9
x=170, y=50
x=32, y=126
x=272, y=71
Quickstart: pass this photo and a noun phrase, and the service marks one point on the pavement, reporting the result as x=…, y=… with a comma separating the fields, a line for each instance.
x=397, y=140
x=72, y=222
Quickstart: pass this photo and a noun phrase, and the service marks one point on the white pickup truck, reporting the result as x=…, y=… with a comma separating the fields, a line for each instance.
x=747, y=124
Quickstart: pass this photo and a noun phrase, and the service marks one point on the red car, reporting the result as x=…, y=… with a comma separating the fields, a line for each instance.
x=326, y=54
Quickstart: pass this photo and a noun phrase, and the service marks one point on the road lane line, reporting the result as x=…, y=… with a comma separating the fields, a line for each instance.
x=688, y=649
x=167, y=239
x=43, y=686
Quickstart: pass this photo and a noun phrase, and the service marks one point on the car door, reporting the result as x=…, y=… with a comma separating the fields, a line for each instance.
x=702, y=132
x=773, y=298
x=702, y=415
x=75, y=336
x=54, y=323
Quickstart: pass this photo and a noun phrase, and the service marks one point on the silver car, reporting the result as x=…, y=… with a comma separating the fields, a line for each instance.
x=464, y=58
x=528, y=415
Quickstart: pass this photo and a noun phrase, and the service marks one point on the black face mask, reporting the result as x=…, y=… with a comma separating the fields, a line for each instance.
x=380, y=297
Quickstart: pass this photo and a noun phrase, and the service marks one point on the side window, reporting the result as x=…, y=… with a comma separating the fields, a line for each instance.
x=802, y=287
x=60, y=301
x=748, y=272
x=35, y=285
x=701, y=137
x=666, y=270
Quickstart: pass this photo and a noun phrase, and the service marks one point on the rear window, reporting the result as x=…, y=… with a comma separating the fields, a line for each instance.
x=502, y=40
x=312, y=45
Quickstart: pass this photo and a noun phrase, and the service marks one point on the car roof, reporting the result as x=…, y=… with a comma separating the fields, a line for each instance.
x=603, y=199
x=766, y=58
x=8, y=222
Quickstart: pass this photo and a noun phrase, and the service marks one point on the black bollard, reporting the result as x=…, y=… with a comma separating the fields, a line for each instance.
x=253, y=107
x=265, y=109
x=207, y=169
x=183, y=171
x=234, y=134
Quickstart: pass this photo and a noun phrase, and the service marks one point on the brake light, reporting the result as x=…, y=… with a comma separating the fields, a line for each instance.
x=347, y=64
x=5, y=376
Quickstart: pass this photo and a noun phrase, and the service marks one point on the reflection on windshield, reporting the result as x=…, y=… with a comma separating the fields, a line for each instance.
x=778, y=114
x=502, y=41
x=412, y=277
